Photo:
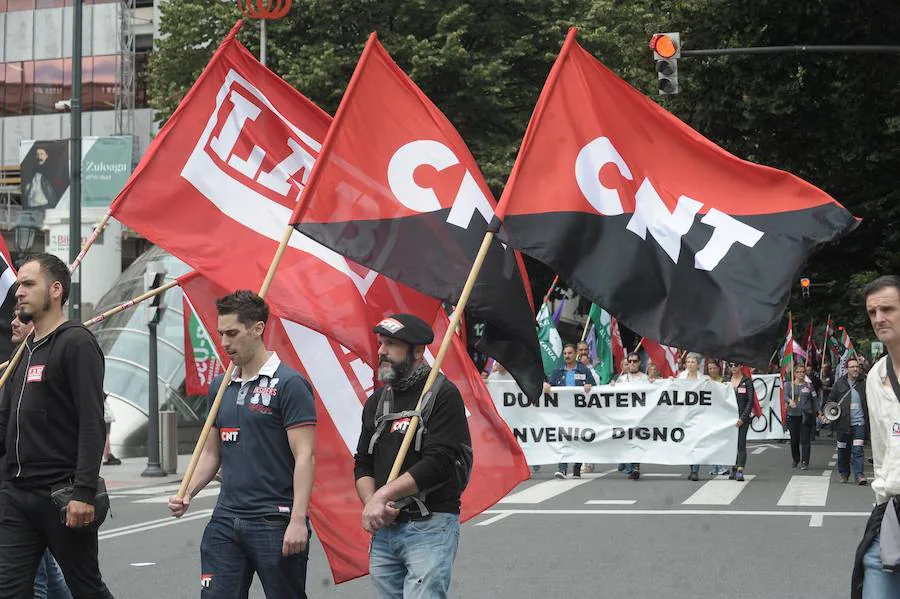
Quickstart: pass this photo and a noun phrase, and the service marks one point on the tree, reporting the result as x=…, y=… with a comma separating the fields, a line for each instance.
x=832, y=119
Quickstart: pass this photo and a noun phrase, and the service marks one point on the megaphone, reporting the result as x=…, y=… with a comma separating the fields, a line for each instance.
x=831, y=411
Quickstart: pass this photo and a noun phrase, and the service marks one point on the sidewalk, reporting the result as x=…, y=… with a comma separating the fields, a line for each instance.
x=128, y=474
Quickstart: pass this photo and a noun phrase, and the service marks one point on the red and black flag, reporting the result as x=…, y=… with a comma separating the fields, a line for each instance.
x=680, y=240
x=396, y=189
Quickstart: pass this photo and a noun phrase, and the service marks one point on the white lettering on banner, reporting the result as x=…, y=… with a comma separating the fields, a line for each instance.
x=425, y=152
x=651, y=213
x=236, y=199
x=674, y=422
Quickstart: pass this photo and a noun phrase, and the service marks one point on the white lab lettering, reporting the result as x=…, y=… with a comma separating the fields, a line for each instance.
x=277, y=178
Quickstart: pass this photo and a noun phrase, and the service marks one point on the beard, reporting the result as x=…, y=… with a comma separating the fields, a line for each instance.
x=27, y=317
x=390, y=372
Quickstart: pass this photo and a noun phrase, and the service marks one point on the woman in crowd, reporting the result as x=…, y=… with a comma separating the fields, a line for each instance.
x=743, y=391
x=801, y=415
x=692, y=372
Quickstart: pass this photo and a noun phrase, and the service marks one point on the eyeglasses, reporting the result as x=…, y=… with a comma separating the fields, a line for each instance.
x=633, y=361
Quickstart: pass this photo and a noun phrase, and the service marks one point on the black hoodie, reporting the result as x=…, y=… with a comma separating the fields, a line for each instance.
x=51, y=413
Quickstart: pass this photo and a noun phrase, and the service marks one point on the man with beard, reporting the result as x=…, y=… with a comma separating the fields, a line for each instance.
x=264, y=441
x=414, y=519
x=39, y=192
x=52, y=432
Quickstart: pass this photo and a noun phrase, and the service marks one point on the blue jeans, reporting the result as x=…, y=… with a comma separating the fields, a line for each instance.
x=878, y=583
x=695, y=467
x=414, y=560
x=48, y=580
x=851, y=450
x=233, y=549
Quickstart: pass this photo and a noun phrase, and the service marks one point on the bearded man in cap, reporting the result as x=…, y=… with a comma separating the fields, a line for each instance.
x=413, y=520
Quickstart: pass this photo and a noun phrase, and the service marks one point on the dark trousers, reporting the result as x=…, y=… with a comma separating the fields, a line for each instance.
x=233, y=549
x=29, y=523
x=742, y=446
x=801, y=436
x=564, y=468
x=851, y=448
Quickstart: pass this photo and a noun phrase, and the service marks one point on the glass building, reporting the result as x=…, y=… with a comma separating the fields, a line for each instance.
x=124, y=339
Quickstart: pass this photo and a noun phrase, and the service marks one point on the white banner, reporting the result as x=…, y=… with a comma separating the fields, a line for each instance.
x=673, y=422
x=768, y=426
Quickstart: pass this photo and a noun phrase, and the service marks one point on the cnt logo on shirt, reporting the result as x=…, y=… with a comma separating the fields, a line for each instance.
x=35, y=374
x=205, y=581
x=229, y=435
x=400, y=425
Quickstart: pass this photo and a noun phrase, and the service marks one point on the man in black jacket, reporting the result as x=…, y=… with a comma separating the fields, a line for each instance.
x=851, y=427
x=52, y=434
x=413, y=544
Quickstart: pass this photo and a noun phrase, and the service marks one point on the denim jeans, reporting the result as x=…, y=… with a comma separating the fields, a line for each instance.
x=414, y=560
x=878, y=583
x=233, y=549
x=851, y=450
x=49, y=582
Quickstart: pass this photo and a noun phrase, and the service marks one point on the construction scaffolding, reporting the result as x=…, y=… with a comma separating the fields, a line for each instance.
x=126, y=78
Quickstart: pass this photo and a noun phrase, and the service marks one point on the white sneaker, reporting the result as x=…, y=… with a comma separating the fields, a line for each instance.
x=560, y=475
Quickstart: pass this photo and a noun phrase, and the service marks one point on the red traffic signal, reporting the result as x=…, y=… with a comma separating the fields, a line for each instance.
x=665, y=44
x=804, y=282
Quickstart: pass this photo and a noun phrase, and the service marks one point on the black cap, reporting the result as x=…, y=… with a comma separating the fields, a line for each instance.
x=407, y=328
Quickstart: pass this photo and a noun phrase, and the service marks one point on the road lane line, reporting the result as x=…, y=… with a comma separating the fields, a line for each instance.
x=805, y=491
x=494, y=519
x=610, y=502
x=816, y=520
x=546, y=490
x=718, y=492
x=691, y=512
x=151, y=524
x=212, y=492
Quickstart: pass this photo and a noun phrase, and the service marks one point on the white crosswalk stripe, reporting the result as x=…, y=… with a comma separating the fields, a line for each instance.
x=806, y=491
x=718, y=492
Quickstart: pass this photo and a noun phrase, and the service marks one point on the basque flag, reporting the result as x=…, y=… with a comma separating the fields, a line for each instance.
x=396, y=189
x=680, y=240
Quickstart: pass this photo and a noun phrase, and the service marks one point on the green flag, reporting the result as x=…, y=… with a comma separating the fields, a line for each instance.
x=548, y=337
x=601, y=320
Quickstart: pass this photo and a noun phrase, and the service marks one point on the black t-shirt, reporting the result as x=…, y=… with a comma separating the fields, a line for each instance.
x=257, y=461
x=447, y=431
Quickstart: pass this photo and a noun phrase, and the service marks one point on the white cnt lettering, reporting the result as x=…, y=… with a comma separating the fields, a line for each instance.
x=727, y=231
x=667, y=228
x=651, y=214
x=402, y=167
x=591, y=159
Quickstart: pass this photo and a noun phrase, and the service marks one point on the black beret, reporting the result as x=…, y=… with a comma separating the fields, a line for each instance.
x=407, y=328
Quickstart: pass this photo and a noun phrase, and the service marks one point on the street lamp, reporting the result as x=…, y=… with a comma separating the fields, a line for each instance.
x=264, y=10
x=25, y=231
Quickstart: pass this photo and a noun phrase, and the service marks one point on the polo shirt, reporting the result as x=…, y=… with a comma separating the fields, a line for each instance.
x=257, y=465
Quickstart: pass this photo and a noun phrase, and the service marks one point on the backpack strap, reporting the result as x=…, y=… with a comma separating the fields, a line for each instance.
x=892, y=376
x=426, y=408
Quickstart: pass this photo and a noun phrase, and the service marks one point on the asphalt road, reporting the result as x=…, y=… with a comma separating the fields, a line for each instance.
x=784, y=533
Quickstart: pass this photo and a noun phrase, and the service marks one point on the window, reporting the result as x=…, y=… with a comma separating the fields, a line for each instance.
x=19, y=85
x=48, y=85
x=86, y=75
x=19, y=5
x=103, y=83
x=141, y=63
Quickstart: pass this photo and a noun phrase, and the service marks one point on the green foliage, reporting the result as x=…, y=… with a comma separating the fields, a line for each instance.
x=832, y=119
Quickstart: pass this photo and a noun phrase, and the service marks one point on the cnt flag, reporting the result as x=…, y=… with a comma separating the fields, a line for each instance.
x=396, y=189
x=604, y=171
x=217, y=188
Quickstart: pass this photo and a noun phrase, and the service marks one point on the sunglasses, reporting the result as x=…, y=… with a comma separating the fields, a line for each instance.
x=633, y=361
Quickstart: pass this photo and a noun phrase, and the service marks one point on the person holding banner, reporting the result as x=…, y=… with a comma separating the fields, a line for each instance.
x=571, y=374
x=414, y=519
x=692, y=372
x=631, y=373
x=264, y=441
x=876, y=569
x=744, y=392
x=801, y=414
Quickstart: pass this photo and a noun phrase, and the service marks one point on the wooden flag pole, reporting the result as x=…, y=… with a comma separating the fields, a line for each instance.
x=121, y=307
x=587, y=325
x=13, y=362
x=638, y=346
x=550, y=290
x=445, y=346
x=824, y=349
x=226, y=378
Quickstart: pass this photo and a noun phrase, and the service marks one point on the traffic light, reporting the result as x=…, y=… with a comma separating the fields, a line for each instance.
x=804, y=287
x=157, y=305
x=666, y=52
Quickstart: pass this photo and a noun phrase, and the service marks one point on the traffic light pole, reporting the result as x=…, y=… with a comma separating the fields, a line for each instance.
x=794, y=50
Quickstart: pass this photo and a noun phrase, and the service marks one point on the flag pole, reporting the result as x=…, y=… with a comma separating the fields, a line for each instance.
x=549, y=291
x=587, y=325
x=445, y=346
x=824, y=348
x=638, y=346
x=14, y=361
x=812, y=326
x=214, y=408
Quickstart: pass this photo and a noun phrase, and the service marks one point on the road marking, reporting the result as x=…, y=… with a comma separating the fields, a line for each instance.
x=151, y=524
x=149, y=490
x=832, y=463
x=759, y=450
x=718, y=492
x=546, y=490
x=661, y=475
x=805, y=490
x=212, y=492
x=623, y=512
x=826, y=473
x=610, y=502
x=493, y=519
x=143, y=564
x=816, y=520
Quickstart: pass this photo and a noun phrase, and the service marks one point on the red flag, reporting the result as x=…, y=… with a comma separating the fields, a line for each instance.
x=665, y=357
x=809, y=345
x=217, y=188
x=397, y=190
x=341, y=384
x=604, y=171
x=787, y=366
x=202, y=356
x=618, y=348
